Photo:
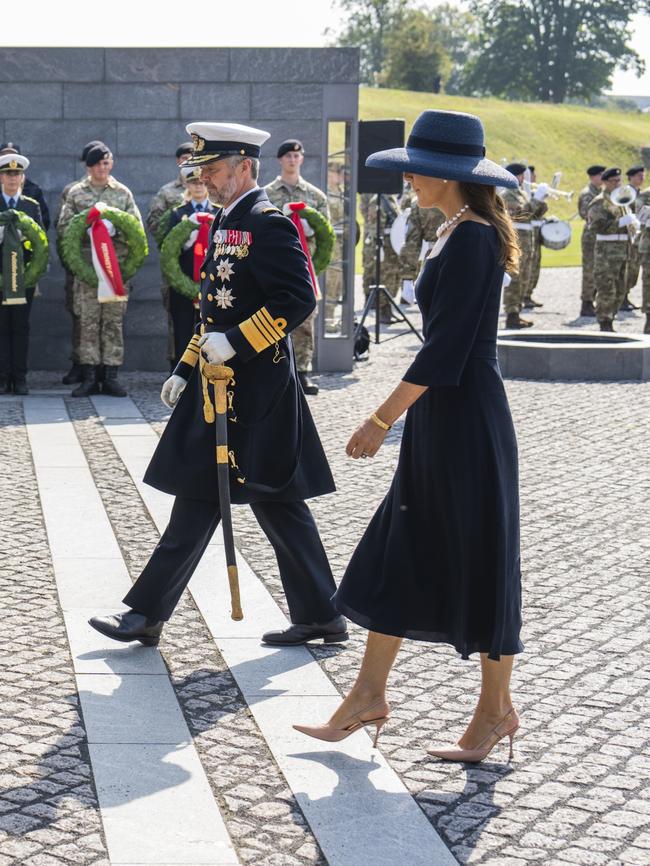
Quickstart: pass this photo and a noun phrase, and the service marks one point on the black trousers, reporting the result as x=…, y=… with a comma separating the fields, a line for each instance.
x=184, y=316
x=289, y=526
x=14, y=337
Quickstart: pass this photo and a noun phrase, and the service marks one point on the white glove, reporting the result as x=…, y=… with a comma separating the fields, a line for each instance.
x=626, y=220
x=408, y=291
x=216, y=348
x=541, y=192
x=172, y=390
x=110, y=228
x=507, y=279
x=307, y=228
x=189, y=243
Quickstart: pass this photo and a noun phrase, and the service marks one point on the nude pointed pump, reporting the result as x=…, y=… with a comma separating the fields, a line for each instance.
x=507, y=727
x=356, y=722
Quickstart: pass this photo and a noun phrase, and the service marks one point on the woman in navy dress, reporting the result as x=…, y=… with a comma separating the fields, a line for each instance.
x=439, y=560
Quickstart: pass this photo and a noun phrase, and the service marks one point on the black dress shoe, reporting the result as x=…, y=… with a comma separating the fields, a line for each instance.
x=20, y=386
x=332, y=632
x=307, y=385
x=129, y=626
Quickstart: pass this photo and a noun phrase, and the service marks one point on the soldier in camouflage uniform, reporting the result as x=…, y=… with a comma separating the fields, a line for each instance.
x=421, y=229
x=101, y=338
x=289, y=186
x=73, y=376
x=587, y=195
x=642, y=209
x=522, y=209
x=636, y=178
x=610, y=225
x=528, y=302
x=170, y=195
x=391, y=272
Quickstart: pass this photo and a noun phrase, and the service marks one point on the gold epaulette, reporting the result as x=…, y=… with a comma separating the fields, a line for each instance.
x=262, y=330
x=192, y=352
x=271, y=210
x=28, y=198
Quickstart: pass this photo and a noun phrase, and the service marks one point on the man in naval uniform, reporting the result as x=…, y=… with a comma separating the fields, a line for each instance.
x=255, y=289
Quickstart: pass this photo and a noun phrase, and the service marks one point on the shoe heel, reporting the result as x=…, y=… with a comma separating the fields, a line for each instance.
x=378, y=726
x=336, y=638
x=149, y=641
x=512, y=750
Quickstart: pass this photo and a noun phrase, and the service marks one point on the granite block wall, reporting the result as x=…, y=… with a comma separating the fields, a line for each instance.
x=54, y=100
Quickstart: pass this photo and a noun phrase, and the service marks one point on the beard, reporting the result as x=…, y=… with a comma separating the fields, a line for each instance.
x=225, y=191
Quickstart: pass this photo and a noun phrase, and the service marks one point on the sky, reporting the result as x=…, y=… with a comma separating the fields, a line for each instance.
x=125, y=23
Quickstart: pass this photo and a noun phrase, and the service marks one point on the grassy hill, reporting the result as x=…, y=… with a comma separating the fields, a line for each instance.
x=564, y=138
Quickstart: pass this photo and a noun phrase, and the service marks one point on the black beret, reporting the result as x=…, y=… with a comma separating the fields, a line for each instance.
x=10, y=146
x=609, y=173
x=634, y=170
x=516, y=168
x=596, y=169
x=97, y=154
x=531, y=168
x=186, y=147
x=289, y=145
x=88, y=147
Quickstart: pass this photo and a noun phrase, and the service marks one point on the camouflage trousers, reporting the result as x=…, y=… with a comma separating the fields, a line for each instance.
x=391, y=271
x=514, y=294
x=609, y=277
x=588, y=243
x=101, y=340
x=633, y=267
x=334, y=291
x=535, y=266
x=302, y=338
x=645, y=281
x=69, y=305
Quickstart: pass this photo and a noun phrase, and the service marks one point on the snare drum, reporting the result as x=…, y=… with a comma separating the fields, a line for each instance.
x=556, y=234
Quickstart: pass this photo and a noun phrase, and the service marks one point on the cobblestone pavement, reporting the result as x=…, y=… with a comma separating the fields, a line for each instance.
x=577, y=792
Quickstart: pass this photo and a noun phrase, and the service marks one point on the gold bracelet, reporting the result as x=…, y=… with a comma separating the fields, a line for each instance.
x=376, y=420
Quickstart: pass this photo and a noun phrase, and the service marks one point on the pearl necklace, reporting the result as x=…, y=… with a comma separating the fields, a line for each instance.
x=449, y=223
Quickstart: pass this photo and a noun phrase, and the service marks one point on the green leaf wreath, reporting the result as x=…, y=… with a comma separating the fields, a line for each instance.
x=131, y=231
x=160, y=232
x=34, y=242
x=323, y=235
x=170, y=253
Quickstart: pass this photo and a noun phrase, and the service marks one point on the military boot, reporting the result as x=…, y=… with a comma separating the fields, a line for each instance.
x=646, y=329
x=606, y=325
x=88, y=384
x=111, y=384
x=514, y=321
x=307, y=385
x=627, y=306
x=74, y=375
x=587, y=309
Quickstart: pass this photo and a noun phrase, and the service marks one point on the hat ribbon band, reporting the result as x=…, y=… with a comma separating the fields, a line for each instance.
x=445, y=146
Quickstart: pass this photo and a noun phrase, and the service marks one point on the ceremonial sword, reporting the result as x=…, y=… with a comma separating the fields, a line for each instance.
x=220, y=375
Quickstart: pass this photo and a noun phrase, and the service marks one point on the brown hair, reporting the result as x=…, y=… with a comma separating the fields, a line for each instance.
x=486, y=203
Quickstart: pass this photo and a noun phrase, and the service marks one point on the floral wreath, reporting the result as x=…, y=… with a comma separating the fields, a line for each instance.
x=323, y=235
x=129, y=228
x=170, y=253
x=34, y=241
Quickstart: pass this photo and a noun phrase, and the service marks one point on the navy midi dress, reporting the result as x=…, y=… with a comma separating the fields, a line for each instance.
x=439, y=560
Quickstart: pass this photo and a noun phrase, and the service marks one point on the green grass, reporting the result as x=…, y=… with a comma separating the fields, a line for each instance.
x=564, y=138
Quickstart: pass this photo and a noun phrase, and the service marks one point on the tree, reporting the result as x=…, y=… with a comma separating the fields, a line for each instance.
x=551, y=50
x=368, y=25
x=416, y=58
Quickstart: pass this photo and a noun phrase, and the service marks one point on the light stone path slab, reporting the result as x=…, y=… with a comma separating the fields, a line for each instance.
x=356, y=805
x=154, y=797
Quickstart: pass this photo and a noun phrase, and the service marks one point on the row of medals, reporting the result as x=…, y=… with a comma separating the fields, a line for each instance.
x=240, y=250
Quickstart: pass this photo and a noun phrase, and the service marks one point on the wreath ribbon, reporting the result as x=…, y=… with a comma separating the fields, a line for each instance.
x=13, y=262
x=110, y=286
x=202, y=242
x=294, y=208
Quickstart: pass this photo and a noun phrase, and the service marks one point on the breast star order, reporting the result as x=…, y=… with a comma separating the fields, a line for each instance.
x=225, y=269
x=224, y=298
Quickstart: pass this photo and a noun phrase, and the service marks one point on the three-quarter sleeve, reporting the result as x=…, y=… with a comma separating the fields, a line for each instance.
x=467, y=270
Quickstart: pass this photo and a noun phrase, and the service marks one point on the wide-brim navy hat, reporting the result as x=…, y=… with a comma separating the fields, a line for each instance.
x=445, y=144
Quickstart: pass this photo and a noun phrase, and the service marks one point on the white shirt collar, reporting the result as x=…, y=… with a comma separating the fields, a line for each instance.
x=6, y=197
x=227, y=210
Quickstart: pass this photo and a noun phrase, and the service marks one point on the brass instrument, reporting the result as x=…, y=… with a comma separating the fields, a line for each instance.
x=622, y=197
x=553, y=192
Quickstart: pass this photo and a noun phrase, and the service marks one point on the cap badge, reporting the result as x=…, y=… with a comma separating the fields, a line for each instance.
x=199, y=143
x=13, y=164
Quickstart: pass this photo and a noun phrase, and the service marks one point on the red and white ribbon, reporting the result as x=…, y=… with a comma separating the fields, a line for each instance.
x=201, y=244
x=110, y=286
x=292, y=210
